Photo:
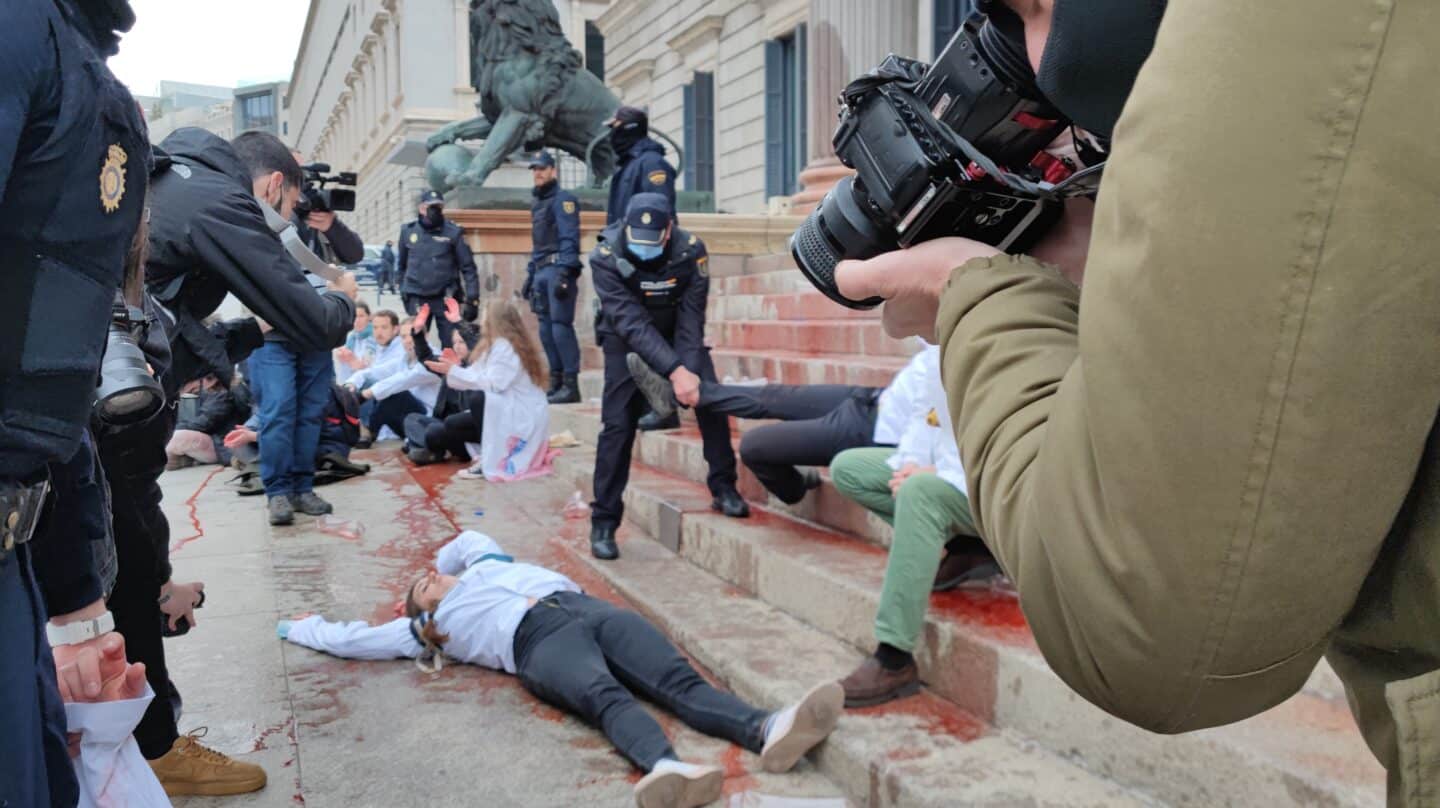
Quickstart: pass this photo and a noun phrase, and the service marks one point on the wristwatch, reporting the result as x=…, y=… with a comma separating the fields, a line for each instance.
x=80, y=630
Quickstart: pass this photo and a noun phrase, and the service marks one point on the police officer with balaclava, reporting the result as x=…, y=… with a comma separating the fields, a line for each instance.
x=74, y=157
x=434, y=259
x=653, y=280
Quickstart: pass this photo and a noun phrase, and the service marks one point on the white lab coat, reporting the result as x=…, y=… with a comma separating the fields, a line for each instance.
x=514, y=442
x=388, y=360
x=414, y=378
x=110, y=769
x=928, y=439
x=481, y=614
x=902, y=397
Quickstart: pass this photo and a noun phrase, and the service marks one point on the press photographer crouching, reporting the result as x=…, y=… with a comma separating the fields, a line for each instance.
x=1225, y=465
x=208, y=237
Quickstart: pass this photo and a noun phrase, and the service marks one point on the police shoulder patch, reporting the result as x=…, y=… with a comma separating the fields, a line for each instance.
x=657, y=177
x=693, y=239
x=112, y=178
x=568, y=206
x=605, y=250
x=414, y=238
x=702, y=264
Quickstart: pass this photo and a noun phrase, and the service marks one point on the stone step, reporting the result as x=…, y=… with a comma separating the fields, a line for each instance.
x=776, y=282
x=924, y=752
x=680, y=453
x=798, y=367
x=865, y=337
x=790, y=306
x=977, y=652
x=759, y=264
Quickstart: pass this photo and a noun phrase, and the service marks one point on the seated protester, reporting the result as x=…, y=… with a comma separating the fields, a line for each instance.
x=359, y=349
x=820, y=420
x=455, y=423
x=480, y=606
x=919, y=488
x=505, y=368
x=388, y=359
x=200, y=437
x=408, y=388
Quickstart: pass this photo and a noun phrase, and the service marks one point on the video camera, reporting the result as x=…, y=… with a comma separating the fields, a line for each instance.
x=952, y=149
x=316, y=198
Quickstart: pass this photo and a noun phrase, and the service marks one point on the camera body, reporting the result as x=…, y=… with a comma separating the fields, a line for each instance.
x=956, y=148
x=316, y=198
x=127, y=393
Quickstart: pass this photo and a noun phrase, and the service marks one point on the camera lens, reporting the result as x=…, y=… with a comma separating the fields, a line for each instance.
x=835, y=231
x=127, y=394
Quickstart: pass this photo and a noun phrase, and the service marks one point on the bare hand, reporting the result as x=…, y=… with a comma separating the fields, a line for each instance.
x=84, y=668
x=321, y=220
x=899, y=477
x=240, y=436
x=687, y=386
x=265, y=328
x=181, y=602
x=452, y=310
x=450, y=356
x=911, y=282
x=367, y=394
x=345, y=285
x=422, y=316
x=439, y=366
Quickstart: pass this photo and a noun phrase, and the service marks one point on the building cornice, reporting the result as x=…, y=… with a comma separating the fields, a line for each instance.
x=618, y=14
x=633, y=71
x=379, y=21
x=782, y=17
x=707, y=26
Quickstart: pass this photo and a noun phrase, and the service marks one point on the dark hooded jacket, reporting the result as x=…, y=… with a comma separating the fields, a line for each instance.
x=643, y=169
x=208, y=237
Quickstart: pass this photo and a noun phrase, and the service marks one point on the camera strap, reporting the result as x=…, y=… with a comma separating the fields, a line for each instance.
x=290, y=238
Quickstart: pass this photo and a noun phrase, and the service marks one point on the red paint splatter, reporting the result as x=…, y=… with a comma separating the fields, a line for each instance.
x=995, y=610
x=284, y=726
x=938, y=716
x=194, y=517
x=737, y=776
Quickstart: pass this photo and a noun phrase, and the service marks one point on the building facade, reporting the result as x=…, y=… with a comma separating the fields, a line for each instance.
x=262, y=107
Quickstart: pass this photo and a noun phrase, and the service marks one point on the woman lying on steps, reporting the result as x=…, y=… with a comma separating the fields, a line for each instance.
x=583, y=655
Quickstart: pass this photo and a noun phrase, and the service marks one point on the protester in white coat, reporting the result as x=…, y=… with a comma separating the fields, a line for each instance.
x=508, y=369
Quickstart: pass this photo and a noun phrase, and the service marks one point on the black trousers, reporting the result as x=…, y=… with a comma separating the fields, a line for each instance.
x=821, y=421
x=391, y=412
x=133, y=461
x=457, y=429
x=620, y=410
x=591, y=658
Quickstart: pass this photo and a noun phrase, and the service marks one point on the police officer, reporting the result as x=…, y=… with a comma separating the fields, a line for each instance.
x=387, y=269
x=552, y=276
x=653, y=282
x=433, y=260
x=74, y=158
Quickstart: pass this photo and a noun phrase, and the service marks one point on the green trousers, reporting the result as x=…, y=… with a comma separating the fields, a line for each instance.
x=926, y=513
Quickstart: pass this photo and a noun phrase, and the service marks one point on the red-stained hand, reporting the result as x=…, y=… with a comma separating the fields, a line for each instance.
x=452, y=310
x=450, y=356
x=240, y=436
x=440, y=366
x=84, y=668
x=421, y=318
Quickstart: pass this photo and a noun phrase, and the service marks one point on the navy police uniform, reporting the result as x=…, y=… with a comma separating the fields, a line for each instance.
x=553, y=273
x=74, y=155
x=655, y=309
x=642, y=169
x=433, y=255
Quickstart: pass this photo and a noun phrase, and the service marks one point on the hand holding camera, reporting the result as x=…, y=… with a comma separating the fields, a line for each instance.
x=346, y=285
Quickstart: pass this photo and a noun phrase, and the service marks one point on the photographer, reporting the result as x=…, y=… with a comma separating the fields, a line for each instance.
x=209, y=237
x=1225, y=466
x=319, y=228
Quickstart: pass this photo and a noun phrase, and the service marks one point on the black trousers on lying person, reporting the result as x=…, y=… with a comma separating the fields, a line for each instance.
x=821, y=421
x=592, y=659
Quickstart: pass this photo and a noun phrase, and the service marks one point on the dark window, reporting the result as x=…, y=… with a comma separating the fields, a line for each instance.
x=949, y=16
x=700, y=133
x=594, y=50
x=257, y=112
x=786, y=126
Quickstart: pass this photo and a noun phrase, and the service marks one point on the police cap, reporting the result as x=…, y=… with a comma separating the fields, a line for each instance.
x=431, y=198
x=646, y=218
x=542, y=159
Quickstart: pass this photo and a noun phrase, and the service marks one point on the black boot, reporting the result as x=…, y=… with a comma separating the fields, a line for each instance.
x=730, y=503
x=555, y=381
x=651, y=422
x=602, y=542
x=569, y=392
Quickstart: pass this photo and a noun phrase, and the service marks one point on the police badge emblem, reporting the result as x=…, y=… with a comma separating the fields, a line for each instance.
x=414, y=238
x=645, y=218
x=702, y=264
x=112, y=179
x=657, y=177
x=568, y=206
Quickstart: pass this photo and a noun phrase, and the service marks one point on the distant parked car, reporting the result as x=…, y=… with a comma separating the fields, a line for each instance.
x=367, y=269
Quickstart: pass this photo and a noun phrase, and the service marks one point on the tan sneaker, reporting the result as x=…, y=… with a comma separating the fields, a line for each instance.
x=189, y=768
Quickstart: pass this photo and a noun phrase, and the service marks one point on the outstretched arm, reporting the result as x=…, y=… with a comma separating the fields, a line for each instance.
x=354, y=640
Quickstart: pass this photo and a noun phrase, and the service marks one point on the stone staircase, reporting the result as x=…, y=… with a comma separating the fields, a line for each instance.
x=786, y=598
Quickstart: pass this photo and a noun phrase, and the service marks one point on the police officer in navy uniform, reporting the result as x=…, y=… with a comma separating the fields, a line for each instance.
x=653, y=281
x=74, y=157
x=553, y=274
x=434, y=259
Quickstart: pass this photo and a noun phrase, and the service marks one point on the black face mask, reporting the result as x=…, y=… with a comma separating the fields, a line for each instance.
x=544, y=190
x=1093, y=55
x=105, y=18
x=434, y=217
x=624, y=138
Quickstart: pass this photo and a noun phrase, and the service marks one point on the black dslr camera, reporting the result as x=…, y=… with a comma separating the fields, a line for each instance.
x=953, y=149
x=316, y=198
x=127, y=393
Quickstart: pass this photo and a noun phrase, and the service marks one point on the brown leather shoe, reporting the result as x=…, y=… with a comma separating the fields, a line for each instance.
x=189, y=768
x=965, y=571
x=871, y=684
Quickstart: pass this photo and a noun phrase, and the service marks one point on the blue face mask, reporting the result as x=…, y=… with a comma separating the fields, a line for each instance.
x=646, y=252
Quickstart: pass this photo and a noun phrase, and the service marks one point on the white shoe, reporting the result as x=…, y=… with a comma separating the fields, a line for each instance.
x=798, y=728
x=472, y=473
x=673, y=784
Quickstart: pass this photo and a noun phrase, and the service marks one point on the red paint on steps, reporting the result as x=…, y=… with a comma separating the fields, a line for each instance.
x=994, y=610
x=938, y=716
x=194, y=517
x=737, y=777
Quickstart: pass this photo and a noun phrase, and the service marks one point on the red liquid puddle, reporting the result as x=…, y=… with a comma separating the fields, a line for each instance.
x=939, y=717
x=194, y=518
x=994, y=610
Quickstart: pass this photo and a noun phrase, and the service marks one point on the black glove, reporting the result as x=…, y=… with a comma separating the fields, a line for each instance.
x=470, y=311
x=528, y=288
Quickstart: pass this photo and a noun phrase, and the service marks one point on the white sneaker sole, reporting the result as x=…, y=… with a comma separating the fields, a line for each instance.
x=672, y=789
x=814, y=720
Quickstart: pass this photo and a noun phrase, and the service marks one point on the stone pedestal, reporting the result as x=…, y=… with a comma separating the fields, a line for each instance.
x=846, y=38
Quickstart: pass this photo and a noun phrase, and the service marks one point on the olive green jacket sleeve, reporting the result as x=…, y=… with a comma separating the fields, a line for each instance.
x=1190, y=475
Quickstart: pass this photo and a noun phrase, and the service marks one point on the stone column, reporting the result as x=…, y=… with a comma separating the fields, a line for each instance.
x=846, y=38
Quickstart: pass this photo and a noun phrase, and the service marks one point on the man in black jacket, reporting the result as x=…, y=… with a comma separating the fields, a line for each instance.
x=209, y=237
x=434, y=260
x=653, y=280
x=324, y=233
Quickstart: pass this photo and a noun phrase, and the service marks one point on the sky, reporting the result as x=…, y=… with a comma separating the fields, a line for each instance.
x=219, y=42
